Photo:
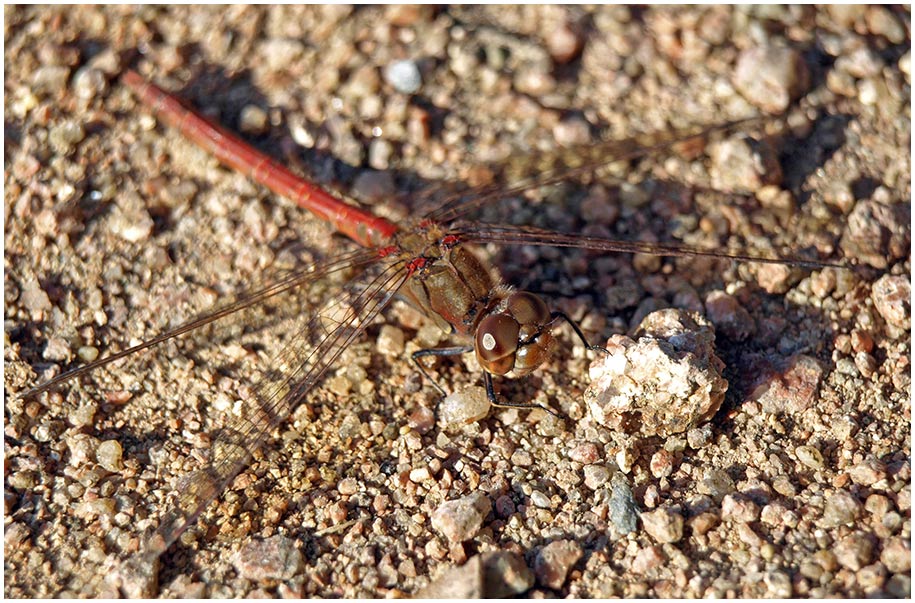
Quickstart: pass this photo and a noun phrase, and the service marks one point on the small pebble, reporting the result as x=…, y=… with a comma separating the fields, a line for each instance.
x=336, y=512
x=253, y=120
x=871, y=577
x=390, y=341
x=87, y=353
x=83, y=415
x=861, y=341
x=897, y=555
x=93, y=508
x=773, y=514
x=647, y=559
x=136, y=577
x=133, y=226
x=892, y=299
x=14, y=533
x=274, y=558
x=809, y=456
x=716, y=483
x=900, y=586
x=407, y=15
x=422, y=419
x=841, y=83
x=812, y=570
x=572, y=132
x=700, y=437
x=738, y=508
x=505, y=506
x=841, y=196
x=496, y=575
x=652, y=496
x=281, y=52
x=65, y=136
x=876, y=234
x=664, y=525
x=348, y=486
x=22, y=480
x=57, y=350
x=82, y=448
x=882, y=22
x=596, y=476
x=460, y=520
x=109, y=454
x=868, y=92
x=553, y=562
x=778, y=585
x=860, y=63
x=771, y=77
x=541, y=500
x=791, y=388
x=748, y=536
x=404, y=76
x=729, y=317
x=50, y=79
x=420, y=475
x=702, y=523
x=625, y=458
x=89, y=83
x=741, y=164
x=564, y=43
x=34, y=298
x=784, y=486
x=522, y=458
x=854, y=551
x=380, y=153
x=842, y=508
x=584, y=453
x=662, y=463
x=624, y=511
x=463, y=407
x=868, y=472
x=775, y=278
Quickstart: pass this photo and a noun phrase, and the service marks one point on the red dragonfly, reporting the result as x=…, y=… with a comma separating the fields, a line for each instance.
x=428, y=264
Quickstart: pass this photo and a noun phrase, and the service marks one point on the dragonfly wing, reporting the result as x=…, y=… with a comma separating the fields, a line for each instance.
x=292, y=280
x=280, y=386
x=528, y=235
x=527, y=171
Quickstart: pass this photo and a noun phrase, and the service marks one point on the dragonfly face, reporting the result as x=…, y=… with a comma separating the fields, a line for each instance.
x=515, y=337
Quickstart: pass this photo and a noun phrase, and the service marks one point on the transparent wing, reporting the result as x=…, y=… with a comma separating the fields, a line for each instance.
x=533, y=170
x=528, y=235
x=279, y=386
x=291, y=281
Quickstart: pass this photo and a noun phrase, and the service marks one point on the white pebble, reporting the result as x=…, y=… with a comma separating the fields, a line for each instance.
x=463, y=407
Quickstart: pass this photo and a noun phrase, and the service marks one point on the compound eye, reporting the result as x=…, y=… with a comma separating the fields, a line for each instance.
x=496, y=337
x=528, y=309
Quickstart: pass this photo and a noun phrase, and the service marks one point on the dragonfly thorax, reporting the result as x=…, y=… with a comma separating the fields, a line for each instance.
x=515, y=336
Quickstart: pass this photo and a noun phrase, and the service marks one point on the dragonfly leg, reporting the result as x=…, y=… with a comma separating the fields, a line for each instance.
x=491, y=394
x=453, y=351
x=563, y=316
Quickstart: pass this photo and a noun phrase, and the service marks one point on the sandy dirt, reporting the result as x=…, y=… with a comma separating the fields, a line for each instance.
x=116, y=229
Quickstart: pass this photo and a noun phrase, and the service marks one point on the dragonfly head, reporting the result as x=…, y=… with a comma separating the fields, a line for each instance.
x=515, y=336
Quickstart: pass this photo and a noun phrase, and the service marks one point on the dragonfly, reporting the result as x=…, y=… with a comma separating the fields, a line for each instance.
x=428, y=263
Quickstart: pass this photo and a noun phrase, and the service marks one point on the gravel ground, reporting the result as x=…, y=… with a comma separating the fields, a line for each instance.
x=116, y=228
